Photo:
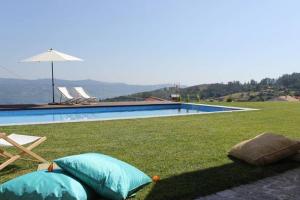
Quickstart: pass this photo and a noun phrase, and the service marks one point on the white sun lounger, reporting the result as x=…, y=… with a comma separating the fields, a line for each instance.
x=83, y=95
x=17, y=141
x=65, y=93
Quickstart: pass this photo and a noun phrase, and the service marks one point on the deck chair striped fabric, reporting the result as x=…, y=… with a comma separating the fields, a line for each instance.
x=18, y=141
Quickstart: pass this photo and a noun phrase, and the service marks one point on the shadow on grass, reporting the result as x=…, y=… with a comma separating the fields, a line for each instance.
x=9, y=169
x=207, y=181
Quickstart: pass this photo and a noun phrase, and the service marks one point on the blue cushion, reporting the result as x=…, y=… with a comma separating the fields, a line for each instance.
x=41, y=185
x=109, y=177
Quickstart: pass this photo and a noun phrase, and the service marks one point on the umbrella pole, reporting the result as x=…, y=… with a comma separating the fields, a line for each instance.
x=53, y=100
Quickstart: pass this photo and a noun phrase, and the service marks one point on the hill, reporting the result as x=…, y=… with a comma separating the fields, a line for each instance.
x=14, y=91
x=264, y=90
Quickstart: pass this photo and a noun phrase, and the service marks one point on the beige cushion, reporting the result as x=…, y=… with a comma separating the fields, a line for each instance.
x=44, y=166
x=265, y=149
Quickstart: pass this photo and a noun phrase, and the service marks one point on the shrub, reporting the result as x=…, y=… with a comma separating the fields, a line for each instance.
x=229, y=99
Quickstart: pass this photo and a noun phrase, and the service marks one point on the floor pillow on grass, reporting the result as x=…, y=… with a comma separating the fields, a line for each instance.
x=44, y=185
x=265, y=149
x=109, y=177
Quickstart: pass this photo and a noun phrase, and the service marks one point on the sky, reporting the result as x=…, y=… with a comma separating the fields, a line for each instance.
x=152, y=41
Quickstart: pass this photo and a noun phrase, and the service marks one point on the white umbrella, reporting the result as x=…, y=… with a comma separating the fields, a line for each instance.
x=52, y=56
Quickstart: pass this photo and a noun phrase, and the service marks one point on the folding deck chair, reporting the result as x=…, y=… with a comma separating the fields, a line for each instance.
x=84, y=96
x=17, y=141
x=64, y=92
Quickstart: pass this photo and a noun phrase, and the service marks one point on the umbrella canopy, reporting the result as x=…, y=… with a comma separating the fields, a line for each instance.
x=52, y=56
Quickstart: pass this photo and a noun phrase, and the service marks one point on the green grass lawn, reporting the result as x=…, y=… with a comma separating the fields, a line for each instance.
x=189, y=153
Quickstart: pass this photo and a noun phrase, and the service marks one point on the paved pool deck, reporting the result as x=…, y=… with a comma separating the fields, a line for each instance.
x=97, y=104
x=285, y=186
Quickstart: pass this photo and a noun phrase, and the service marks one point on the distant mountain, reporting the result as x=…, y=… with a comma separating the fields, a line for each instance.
x=265, y=90
x=21, y=91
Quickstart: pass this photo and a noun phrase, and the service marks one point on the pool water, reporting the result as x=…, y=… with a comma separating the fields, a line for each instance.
x=56, y=115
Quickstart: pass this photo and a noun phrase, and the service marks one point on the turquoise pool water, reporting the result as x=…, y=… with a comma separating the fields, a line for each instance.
x=56, y=115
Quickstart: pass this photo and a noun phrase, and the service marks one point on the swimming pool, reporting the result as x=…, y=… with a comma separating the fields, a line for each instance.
x=94, y=113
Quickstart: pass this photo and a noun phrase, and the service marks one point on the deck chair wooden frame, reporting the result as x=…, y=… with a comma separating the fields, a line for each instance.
x=23, y=150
